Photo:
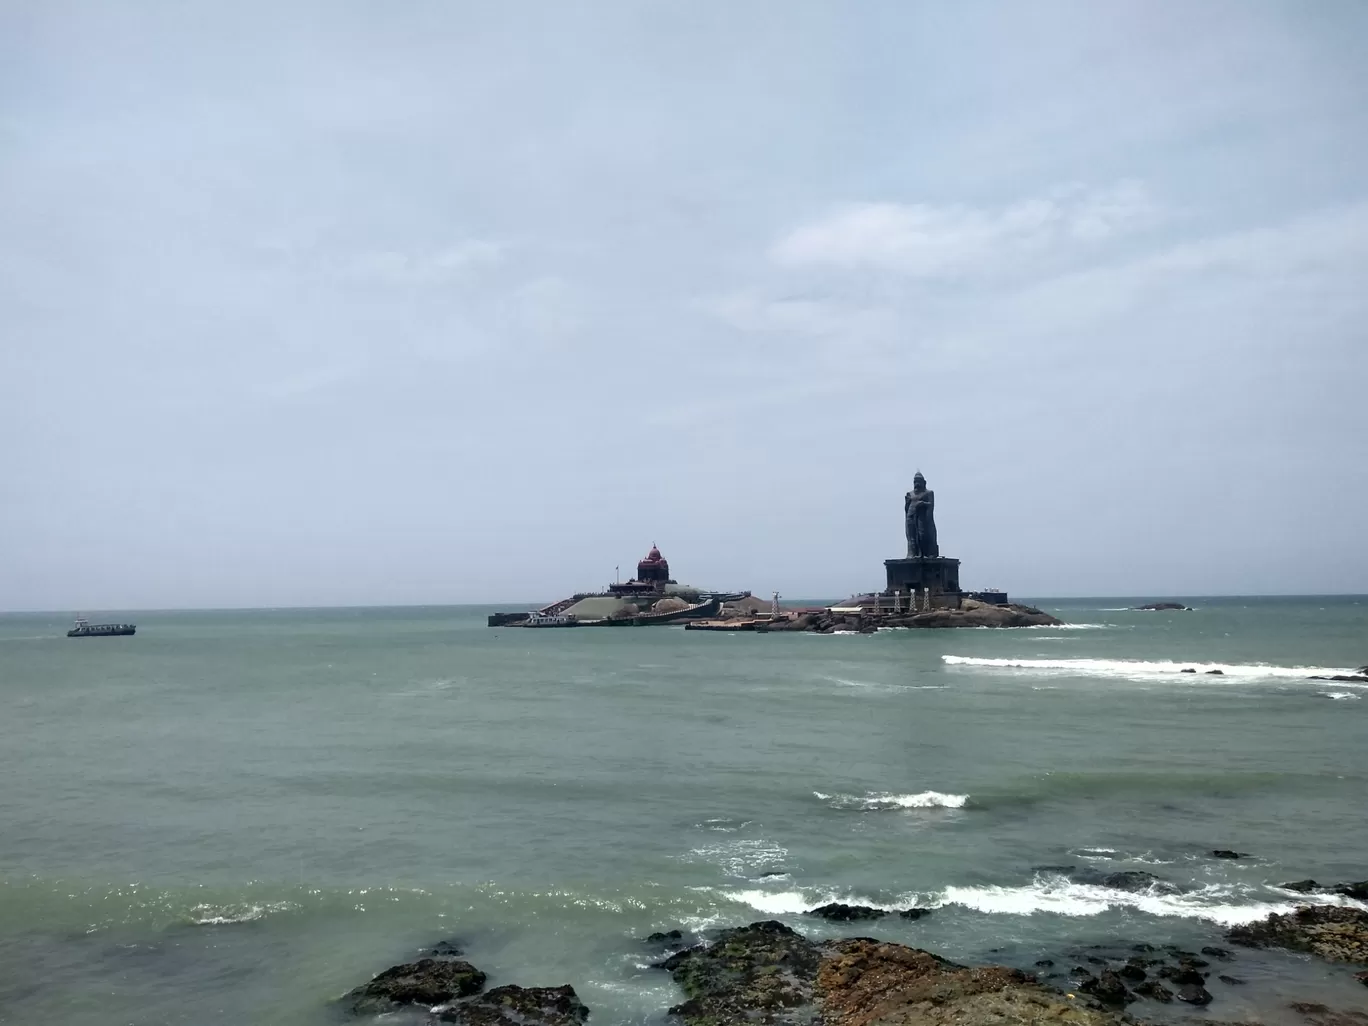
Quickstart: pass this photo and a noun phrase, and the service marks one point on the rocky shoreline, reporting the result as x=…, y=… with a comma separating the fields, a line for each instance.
x=770, y=973
x=970, y=614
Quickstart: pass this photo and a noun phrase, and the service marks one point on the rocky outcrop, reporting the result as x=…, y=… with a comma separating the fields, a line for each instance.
x=428, y=982
x=519, y=1006
x=1333, y=932
x=766, y=973
x=1160, y=606
x=452, y=987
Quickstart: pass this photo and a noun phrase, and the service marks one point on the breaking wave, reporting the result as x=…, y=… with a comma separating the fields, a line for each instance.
x=1226, y=904
x=1140, y=668
x=883, y=800
x=1340, y=695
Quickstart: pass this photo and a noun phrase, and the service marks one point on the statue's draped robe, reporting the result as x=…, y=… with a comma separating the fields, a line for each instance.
x=920, y=509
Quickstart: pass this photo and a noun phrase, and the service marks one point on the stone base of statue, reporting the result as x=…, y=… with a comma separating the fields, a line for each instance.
x=937, y=574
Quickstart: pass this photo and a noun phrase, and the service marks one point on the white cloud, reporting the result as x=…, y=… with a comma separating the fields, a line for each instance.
x=927, y=241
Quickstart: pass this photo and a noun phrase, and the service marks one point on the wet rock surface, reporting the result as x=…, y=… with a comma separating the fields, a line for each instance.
x=429, y=982
x=839, y=913
x=767, y=973
x=519, y=1006
x=1334, y=932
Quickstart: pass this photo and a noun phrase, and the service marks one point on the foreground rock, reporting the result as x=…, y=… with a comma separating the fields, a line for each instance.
x=1333, y=932
x=520, y=1006
x=766, y=973
x=451, y=986
x=428, y=982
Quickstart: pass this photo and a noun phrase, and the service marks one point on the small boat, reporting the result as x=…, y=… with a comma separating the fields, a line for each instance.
x=85, y=629
x=547, y=620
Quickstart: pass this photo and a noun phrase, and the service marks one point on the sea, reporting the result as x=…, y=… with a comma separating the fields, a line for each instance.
x=235, y=817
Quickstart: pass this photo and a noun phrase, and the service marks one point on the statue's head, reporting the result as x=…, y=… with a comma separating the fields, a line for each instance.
x=919, y=482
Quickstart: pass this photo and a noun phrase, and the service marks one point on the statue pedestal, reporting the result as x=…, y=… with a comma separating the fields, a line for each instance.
x=938, y=574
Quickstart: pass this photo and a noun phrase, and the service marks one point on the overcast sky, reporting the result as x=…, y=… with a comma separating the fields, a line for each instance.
x=366, y=303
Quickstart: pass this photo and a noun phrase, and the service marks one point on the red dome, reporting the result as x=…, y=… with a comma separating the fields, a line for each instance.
x=653, y=556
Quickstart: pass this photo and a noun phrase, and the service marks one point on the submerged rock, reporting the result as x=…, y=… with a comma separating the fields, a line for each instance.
x=914, y=913
x=839, y=913
x=1228, y=853
x=1194, y=994
x=1108, y=989
x=428, y=982
x=1138, y=880
x=1333, y=932
x=1155, y=991
x=519, y=1006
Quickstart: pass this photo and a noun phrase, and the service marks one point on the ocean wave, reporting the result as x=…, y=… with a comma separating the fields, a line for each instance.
x=1133, y=668
x=792, y=903
x=883, y=800
x=1226, y=904
x=1340, y=695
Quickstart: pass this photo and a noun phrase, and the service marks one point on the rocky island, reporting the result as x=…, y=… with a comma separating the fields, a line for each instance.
x=922, y=590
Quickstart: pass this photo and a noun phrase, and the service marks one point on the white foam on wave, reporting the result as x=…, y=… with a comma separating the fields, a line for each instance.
x=792, y=903
x=1218, y=903
x=884, y=800
x=218, y=915
x=1148, y=669
x=1340, y=695
x=741, y=857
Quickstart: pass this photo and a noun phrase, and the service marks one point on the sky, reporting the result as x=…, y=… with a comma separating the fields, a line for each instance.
x=350, y=303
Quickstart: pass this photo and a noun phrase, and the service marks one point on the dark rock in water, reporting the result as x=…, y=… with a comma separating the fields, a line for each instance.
x=665, y=938
x=519, y=1006
x=1362, y=977
x=1045, y=963
x=1233, y=981
x=1142, y=947
x=1216, y=673
x=1227, y=853
x=1215, y=952
x=1357, y=678
x=1357, y=891
x=1159, y=606
x=1107, y=989
x=1094, y=960
x=1301, y=886
x=445, y=949
x=1194, y=994
x=839, y=913
x=427, y=982
x=1182, y=975
x=1187, y=669
x=1138, y=880
x=1155, y=991
x=914, y=913
x=1080, y=972
x=1129, y=971
x=1333, y=932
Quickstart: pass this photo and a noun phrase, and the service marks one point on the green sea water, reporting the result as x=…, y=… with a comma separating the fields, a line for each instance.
x=234, y=817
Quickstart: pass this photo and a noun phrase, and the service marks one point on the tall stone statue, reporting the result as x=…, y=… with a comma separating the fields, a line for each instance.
x=919, y=509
